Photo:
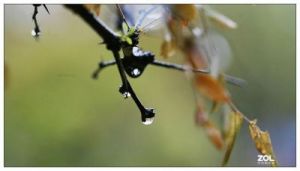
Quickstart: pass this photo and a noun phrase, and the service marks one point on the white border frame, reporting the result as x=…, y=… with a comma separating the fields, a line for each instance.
x=297, y=2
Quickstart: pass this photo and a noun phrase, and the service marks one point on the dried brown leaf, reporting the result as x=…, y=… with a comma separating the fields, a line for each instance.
x=212, y=88
x=210, y=129
x=235, y=124
x=167, y=48
x=194, y=55
x=93, y=8
x=185, y=12
x=214, y=134
x=176, y=31
x=262, y=141
x=200, y=116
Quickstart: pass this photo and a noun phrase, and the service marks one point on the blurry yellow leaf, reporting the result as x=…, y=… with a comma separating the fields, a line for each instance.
x=262, y=141
x=221, y=20
x=93, y=8
x=212, y=88
x=167, y=48
x=234, y=126
x=185, y=12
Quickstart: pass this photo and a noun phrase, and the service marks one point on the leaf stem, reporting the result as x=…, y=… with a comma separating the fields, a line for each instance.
x=236, y=110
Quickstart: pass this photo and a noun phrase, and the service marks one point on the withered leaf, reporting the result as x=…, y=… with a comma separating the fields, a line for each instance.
x=210, y=129
x=212, y=88
x=214, y=134
x=194, y=56
x=175, y=29
x=234, y=126
x=200, y=115
x=262, y=141
x=93, y=8
x=185, y=12
x=167, y=48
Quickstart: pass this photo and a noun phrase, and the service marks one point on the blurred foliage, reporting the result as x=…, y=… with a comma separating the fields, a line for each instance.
x=56, y=115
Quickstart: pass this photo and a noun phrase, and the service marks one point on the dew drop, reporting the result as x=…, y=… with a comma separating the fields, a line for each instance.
x=34, y=33
x=135, y=72
x=135, y=49
x=148, y=121
x=126, y=94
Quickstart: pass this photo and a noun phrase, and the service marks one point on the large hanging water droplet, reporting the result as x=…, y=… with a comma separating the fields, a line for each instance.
x=148, y=121
x=148, y=116
x=135, y=72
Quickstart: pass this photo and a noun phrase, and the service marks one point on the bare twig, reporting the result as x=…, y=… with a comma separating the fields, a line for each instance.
x=111, y=39
x=113, y=43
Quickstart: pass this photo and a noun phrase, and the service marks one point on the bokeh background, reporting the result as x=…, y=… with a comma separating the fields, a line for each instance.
x=56, y=115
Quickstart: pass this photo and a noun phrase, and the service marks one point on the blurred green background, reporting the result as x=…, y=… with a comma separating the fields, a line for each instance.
x=56, y=115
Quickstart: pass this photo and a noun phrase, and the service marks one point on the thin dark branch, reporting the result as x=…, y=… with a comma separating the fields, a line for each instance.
x=36, y=31
x=113, y=44
x=46, y=8
x=177, y=67
x=234, y=80
x=102, y=65
x=228, y=78
x=124, y=87
x=36, y=25
x=111, y=39
x=122, y=14
x=145, y=112
x=127, y=90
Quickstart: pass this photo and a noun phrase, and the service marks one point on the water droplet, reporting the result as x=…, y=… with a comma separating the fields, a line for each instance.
x=148, y=121
x=136, y=72
x=135, y=49
x=34, y=33
x=126, y=94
